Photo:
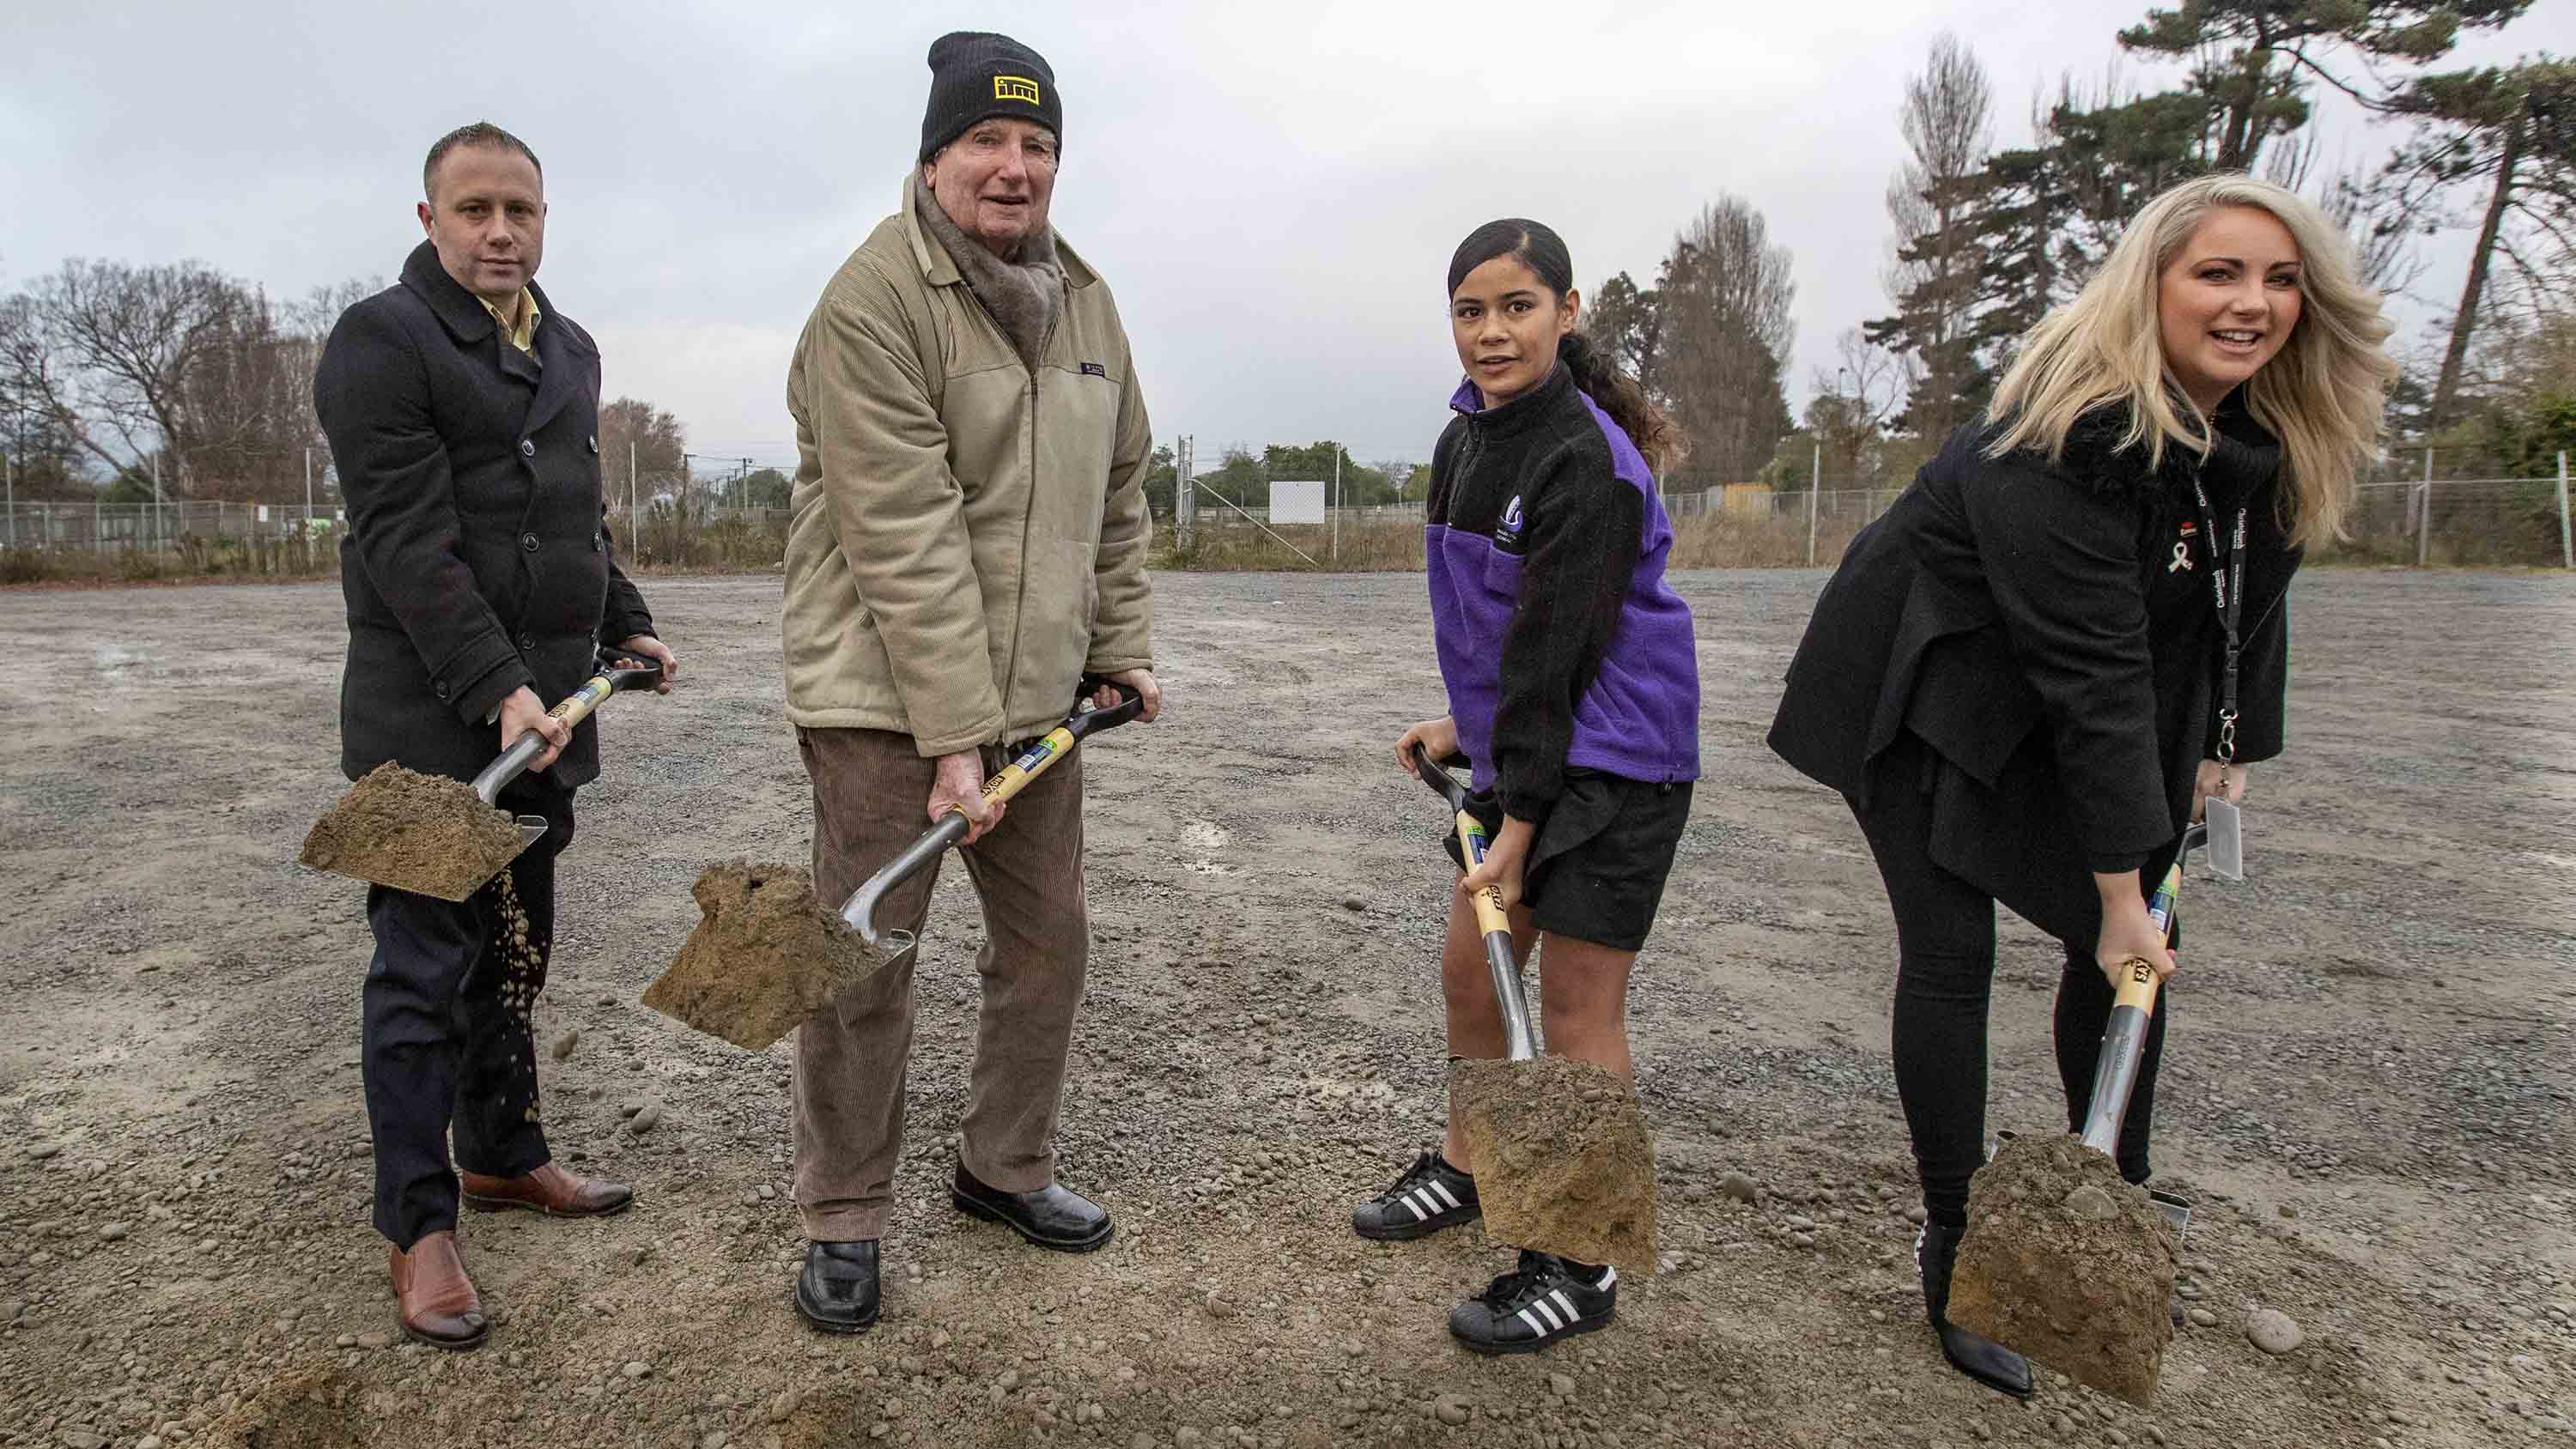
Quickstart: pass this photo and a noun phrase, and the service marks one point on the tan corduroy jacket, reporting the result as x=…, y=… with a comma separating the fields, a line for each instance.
x=966, y=539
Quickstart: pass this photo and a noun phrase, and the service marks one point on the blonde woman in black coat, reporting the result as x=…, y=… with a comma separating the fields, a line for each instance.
x=2020, y=677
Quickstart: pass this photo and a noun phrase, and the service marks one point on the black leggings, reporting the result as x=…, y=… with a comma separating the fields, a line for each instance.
x=1945, y=941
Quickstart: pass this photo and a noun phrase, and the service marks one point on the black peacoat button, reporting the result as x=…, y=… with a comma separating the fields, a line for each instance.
x=528, y=541
x=527, y=447
x=594, y=442
x=439, y=689
x=527, y=643
x=598, y=544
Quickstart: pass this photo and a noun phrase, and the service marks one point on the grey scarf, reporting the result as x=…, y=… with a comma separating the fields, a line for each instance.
x=1023, y=294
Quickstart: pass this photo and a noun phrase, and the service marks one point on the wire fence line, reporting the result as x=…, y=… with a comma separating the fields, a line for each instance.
x=2446, y=521
x=2426, y=521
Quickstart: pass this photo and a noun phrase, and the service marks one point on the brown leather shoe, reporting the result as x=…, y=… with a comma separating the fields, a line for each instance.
x=549, y=1190
x=436, y=1300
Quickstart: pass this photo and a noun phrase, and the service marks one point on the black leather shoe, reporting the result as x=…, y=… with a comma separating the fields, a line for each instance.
x=1980, y=1358
x=837, y=1288
x=1050, y=1217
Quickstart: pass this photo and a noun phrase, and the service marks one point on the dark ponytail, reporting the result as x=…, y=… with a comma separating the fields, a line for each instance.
x=1539, y=248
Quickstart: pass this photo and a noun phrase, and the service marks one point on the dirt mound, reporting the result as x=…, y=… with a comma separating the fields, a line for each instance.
x=1563, y=1161
x=765, y=953
x=309, y=1409
x=2066, y=1263
x=414, y=832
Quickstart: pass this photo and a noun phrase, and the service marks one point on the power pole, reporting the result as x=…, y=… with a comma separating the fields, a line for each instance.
x=1815, y=483
x=1337, y=505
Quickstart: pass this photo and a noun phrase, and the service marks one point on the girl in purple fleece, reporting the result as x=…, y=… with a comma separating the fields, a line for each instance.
x=1573, y=686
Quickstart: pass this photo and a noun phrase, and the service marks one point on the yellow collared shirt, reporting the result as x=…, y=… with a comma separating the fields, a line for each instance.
x=523, y=334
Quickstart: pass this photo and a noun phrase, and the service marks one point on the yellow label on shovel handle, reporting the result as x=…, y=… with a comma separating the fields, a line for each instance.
x=577, y=706
x=1490, y=915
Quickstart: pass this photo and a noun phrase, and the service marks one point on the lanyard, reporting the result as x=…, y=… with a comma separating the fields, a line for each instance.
x=2227, y=580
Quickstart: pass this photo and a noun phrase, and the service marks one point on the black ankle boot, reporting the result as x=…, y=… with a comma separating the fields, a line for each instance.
x=1936, y=1251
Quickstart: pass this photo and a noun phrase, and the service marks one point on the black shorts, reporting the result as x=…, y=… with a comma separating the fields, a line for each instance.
x=1596, y=872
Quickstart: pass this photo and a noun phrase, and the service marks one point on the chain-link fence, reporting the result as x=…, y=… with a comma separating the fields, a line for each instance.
x=2428, y=520
x=2482, y=522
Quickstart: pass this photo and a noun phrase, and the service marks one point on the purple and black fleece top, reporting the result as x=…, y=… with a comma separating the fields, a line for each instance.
x=1560, y=644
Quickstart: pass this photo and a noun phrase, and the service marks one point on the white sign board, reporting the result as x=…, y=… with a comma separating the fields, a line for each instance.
x=1297, y=502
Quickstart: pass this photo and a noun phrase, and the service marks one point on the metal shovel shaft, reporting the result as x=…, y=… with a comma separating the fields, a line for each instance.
x=2124, y=1040
x=513, y=762
x=860, y=910
x=1519, y=1042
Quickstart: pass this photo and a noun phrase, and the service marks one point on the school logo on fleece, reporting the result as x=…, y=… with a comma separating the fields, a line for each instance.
x=1509, y=534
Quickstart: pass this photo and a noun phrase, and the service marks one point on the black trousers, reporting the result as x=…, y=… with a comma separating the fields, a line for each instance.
x=449, y=1039
x=1945, y=941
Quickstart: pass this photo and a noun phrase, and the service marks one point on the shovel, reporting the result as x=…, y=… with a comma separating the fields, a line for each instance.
x=433, y=836
x=765, y=953
x=1563, y=1161
x=860, y=910
x=2064, y=1261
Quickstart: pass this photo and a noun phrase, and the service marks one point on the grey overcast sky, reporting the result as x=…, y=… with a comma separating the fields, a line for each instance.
x=1273, y=191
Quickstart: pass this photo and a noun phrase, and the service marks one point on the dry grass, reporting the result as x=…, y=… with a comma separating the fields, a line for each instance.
x=1238, y=546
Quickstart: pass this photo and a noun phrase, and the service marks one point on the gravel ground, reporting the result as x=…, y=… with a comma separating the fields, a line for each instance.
x=2366, y=1088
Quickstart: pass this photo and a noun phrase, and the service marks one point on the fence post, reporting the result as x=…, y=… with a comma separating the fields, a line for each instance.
x=1815, y=484
x=2424, y=521
x=2566, y=550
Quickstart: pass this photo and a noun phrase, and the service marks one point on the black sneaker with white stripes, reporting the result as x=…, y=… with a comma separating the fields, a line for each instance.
x=1544, y=1299
x=1431, y=1195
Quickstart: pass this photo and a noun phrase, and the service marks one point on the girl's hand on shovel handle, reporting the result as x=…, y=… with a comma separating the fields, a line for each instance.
x=1504, y=857
x=2127, y=932
x=522, y=712
x=645, y=646
x=959, y=786
x=1438, y=738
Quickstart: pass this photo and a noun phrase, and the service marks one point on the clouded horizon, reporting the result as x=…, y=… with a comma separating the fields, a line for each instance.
x=1273, y=197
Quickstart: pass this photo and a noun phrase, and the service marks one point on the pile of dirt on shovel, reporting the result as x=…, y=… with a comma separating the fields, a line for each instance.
x=416, y=832
x=2069, y=1265
x=765, y=953
x=1563, y=1162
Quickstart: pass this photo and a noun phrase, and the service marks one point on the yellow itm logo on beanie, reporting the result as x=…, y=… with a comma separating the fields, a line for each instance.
x=1016, y=88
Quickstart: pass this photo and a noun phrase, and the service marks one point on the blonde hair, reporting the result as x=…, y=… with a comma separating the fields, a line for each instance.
x=2322, y=395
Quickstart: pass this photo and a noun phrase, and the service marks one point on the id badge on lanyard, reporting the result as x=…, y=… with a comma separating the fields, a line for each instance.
x=2227, y=579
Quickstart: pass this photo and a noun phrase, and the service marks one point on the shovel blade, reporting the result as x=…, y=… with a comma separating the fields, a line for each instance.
x=1563, y=1161
x=424, y=834
x=2067, y=1264
x=764, y=955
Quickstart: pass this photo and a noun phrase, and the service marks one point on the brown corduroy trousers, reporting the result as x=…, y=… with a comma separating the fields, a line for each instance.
x=853, y=1056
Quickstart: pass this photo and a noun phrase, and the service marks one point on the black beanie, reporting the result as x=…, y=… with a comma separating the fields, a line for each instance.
x=975, y=74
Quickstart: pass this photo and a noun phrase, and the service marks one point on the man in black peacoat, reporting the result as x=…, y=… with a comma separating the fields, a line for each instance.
x=463, y=416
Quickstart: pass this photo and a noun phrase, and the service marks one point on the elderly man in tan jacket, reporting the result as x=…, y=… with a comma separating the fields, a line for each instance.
x=969, y=540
